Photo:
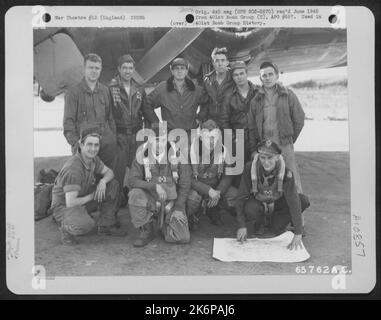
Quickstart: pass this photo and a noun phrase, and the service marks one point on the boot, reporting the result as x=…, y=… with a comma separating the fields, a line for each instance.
x=145, y=235
x=111, y=231
x=67, y=239
x=214, y=217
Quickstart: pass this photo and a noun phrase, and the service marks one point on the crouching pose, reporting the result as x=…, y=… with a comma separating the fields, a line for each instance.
x=211, y=188
x=268, y=195
x=77, y=192
x=158, y=191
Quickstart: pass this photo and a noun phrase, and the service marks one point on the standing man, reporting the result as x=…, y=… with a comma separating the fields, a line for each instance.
x=217, y=84
x=236, y=105
x=127, y=97
x=88, y=103
x=268, y=197
x=178, y=98
x=158, y=191
x=77, y=192
x=276, y=114
x=211, y=185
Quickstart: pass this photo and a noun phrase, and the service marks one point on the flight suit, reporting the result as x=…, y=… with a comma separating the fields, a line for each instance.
x=213, y=95
x=144, y=204
x=179, y=110
x=85, y=108
x=205, y=177
x=76, y=175
x=279, y=118
x=273, y=200
x=128, y=116
x=235, y=114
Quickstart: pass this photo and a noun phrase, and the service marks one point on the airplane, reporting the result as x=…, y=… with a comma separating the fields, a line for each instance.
x=59, y=52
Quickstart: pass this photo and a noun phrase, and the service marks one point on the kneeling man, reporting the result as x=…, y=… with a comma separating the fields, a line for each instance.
x=211, y=185
x=158, y=190
x=268, y=195
x=78, y=191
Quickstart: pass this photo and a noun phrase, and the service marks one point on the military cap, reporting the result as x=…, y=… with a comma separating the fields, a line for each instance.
x=90, y=131
x=268, y=147
x=267, y=64
x=238, y=65
x=125, y=58
x=209, y=125
x=179, y=62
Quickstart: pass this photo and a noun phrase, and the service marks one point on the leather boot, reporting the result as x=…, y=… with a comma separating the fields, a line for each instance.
x=67, y=239
x=214, y=216
x=145, y=235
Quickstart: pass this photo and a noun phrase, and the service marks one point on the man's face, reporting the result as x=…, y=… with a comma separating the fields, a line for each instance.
x=268, y=161
x=90, y=147
x=240, y=76
x=268, y=77
x=92, y=70
x=126, y=71
x=220, y=63
x=179, y=72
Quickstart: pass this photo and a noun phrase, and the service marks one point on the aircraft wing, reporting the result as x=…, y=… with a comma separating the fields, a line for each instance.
x=58, y=53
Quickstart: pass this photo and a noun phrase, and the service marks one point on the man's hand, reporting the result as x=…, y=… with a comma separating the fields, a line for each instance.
x=214, y=197
x=296, y=242
x=100, y=193
x=179, y=216
x=162, y=194
x=242, y=234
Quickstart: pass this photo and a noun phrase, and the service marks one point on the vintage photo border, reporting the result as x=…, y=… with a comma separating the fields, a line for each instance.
x=19, y=177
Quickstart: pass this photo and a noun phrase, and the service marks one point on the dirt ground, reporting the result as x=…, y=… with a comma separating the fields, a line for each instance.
x=325, y=178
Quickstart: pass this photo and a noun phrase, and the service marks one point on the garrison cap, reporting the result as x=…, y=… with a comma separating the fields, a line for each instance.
x=179, y=62
x=268, y=147
x=90, y=131
x=125, y=58
x=267, y=64
x=238, y=65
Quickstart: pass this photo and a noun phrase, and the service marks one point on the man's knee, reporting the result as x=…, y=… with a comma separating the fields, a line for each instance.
x=253, y=209
x=77, y=221
x=231, y=196
x=193, y=202
x=137, y=197
x=304, y=201
x=112, y=189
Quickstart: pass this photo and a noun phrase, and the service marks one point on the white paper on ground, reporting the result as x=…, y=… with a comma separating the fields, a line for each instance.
x=258, y=250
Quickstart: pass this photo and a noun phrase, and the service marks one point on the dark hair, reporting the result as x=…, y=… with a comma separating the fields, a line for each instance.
x=93, y=57
x=223, y=51
x=267, y=64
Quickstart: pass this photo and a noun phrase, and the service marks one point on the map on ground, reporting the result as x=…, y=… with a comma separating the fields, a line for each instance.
x=258, y=250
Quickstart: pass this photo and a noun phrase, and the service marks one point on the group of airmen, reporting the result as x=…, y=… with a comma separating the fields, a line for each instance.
x=101, y=124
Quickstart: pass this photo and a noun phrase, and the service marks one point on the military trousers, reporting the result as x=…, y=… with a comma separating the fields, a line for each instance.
x=77, y=220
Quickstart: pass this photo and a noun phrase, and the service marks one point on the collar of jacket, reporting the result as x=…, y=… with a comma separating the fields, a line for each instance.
x=188, y=84
x=85, y=86
x=117, y=81
x=79, y=155
x=280, y=90
x=251, y=87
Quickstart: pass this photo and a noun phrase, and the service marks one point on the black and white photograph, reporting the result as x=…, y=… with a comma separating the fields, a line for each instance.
x=267, y=106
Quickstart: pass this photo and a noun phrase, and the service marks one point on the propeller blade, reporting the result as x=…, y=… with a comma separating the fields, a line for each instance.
x=165, y=50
